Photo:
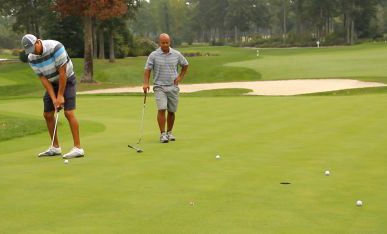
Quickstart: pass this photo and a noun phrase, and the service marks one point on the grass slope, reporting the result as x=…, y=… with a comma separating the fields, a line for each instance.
x=262, y=140
x=12, y=126
x=363, y=62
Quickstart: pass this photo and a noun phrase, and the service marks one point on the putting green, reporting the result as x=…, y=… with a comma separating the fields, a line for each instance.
x=180, y=187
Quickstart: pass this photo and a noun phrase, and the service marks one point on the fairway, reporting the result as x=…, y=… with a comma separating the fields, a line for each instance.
x=180, y=187
x=360, y=62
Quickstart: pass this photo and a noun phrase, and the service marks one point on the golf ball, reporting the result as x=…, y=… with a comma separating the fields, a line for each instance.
x=217, y=156
x=66, y=161
x=327, y=173
x=359, y=203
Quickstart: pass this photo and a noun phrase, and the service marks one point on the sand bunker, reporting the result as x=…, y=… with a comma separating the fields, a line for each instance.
x=268, y=88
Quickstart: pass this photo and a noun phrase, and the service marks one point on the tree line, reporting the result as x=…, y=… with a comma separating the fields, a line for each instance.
x=115, y=28
x=73, y=22
x=287, y=21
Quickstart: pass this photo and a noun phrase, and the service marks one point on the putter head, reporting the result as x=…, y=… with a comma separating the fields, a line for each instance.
x=138, y=150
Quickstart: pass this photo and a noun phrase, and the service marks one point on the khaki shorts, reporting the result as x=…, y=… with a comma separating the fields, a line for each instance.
x=167, y=97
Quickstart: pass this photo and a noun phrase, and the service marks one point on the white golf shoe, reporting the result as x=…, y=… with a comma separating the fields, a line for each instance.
x=51, y=151
x=171, y=137
x=74, y=153
x=164, y=138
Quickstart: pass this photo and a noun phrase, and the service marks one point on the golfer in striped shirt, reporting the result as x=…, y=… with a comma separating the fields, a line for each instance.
x=50, y=62
x=164, y=63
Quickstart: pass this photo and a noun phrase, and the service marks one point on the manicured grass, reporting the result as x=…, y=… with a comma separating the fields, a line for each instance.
x=363, y=62
x=217, y=93
x=180, y=187
x=262, y=141
x=12, y=126
x=17, y=79
x=210, y=69
x=129, y=71
x=350, y=92
x=204, y=93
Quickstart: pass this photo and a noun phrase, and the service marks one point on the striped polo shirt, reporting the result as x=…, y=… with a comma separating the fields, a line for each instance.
x=53, y=57
x=165, y=65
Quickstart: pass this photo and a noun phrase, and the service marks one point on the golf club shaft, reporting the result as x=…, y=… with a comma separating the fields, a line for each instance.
x=142, y=120
x=56, y=124
x=145, y=98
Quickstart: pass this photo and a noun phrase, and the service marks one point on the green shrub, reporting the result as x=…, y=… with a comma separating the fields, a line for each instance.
x=142, y=47
x=259, y=41
x=335, y=39
x=9, y=40
x=121, y=46
x=218, y=43
x=198, y=53
x=15, y=52
x=72, y=53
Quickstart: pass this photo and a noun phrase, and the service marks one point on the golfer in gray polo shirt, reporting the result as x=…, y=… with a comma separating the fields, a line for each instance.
x=164, y=62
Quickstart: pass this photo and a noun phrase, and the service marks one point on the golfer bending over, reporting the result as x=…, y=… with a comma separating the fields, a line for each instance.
x=49, y=60
x=164, y=62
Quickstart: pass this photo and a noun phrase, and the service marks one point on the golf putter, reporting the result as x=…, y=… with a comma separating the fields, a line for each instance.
x=138, y=150
x=56, y=124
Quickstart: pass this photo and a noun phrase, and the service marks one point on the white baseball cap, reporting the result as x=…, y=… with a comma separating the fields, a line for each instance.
x=28, y=43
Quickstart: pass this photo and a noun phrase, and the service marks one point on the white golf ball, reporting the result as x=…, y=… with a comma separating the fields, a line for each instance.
x=327, y=173
x=359, y=203
x=66, y=161
x=217, y=156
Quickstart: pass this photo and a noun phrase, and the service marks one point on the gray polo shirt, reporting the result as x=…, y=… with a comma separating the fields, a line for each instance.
x=165, y=65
